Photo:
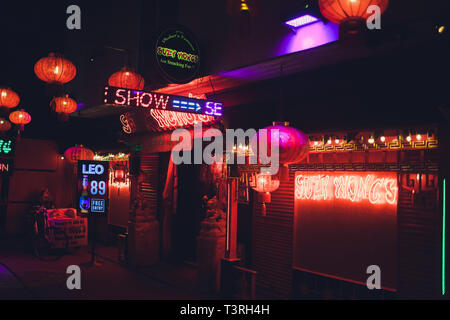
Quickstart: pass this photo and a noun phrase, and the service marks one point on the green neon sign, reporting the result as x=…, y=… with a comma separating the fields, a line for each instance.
x=443, y=234
x=6, y=146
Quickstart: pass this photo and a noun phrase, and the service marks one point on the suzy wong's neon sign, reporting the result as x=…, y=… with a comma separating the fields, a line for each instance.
x=377, y=188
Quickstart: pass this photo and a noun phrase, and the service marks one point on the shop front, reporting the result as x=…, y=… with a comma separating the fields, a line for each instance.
x=358, y=202
x=168, y=201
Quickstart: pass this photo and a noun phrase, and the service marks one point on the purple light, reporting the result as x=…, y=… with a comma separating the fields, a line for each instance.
x=301, y=21
x=310, y=36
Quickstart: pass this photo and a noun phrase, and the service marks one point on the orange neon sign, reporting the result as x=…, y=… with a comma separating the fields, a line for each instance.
x=376, y=188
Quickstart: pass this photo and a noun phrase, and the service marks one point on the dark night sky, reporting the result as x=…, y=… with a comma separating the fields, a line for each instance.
x=31, y=30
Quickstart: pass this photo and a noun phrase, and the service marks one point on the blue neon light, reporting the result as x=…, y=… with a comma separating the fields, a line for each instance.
x=188, y=105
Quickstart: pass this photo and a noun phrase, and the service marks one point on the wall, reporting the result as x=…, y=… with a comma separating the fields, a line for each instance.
x=418, y=229
x=37, y=165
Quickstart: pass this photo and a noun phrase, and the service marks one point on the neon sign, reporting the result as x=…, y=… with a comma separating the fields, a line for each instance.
x=5, y=166
x=93, y=178
x=172, y=119
x=6, y=146
x=178, y=55
x=355, y=187
x=350, y=219
x=154, y=100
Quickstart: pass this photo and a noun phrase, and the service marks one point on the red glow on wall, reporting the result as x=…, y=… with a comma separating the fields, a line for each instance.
x=172, y=119
x=344, y=222
x=376, y=188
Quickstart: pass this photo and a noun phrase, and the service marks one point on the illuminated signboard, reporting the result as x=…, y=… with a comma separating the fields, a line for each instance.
x=154, y=100
x=5, y=166
x=93, y=178
x=353, y=188
x=345, y=222
x=178, y=55
x=6, y=147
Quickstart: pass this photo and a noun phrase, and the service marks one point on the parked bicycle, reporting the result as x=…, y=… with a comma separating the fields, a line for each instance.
x=45, y=237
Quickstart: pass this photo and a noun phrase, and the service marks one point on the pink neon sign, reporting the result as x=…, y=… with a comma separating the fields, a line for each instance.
x=376, y=188
x=173, y=119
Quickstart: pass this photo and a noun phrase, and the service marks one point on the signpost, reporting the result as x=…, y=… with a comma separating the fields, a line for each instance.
x=93, y=178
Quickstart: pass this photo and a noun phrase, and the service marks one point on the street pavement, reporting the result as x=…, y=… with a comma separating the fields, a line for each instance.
x=23, y=276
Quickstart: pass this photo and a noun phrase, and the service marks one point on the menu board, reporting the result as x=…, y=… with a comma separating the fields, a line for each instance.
x=93, y=178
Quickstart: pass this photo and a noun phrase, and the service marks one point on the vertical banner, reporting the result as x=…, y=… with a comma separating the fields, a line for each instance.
x=93, y=178
x=346, y=222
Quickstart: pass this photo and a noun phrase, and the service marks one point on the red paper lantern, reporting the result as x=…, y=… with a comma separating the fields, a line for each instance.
x=76, y=153
x=266, y=183
x=63, y=105
x=127, y=79
x=20, y=117
x=293, y=144
x=8, y=98
x=55, y=69
x=5, y=125
x=353, y=12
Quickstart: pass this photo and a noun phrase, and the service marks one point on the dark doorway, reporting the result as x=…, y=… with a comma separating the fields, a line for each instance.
x=190, y=212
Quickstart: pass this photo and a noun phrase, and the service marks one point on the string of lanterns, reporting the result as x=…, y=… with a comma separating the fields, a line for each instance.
x=371, y=138
x=9, y=100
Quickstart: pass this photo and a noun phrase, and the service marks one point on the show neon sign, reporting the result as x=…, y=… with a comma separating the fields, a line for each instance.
x=158, y=101
x=376, y=188
x=171, y=119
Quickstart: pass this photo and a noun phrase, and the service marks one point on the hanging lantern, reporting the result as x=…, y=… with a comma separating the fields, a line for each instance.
x=76, y=153
x=63, y=106
x=5, y=125
x=293, y=144
x=351, y=15
x=264, y=184
x=119, y=174
x=8, y=98
x=20, y=117
x=126, y=78
x=55, y=69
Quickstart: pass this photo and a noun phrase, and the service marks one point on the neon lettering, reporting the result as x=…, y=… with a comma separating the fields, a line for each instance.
x=171, y=119
x=161, y=101
x=124, y=99
x=149, y=100
x=354, y=188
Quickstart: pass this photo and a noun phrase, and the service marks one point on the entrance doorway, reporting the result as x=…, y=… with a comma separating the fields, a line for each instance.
x=193, y=185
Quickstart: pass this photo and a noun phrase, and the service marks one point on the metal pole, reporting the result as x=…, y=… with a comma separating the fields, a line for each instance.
x=231, y=234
